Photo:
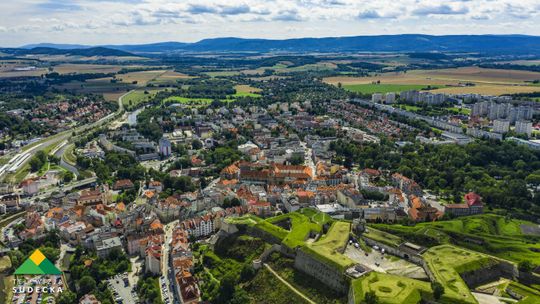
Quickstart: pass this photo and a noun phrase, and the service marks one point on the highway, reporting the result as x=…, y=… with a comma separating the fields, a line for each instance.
x=76, y=184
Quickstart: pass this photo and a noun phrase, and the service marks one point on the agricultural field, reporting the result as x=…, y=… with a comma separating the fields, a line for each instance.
x=495, y=235
x=141, y=78
x=243, y=90
x=222, y=73
x=71, y=68
x=485, y=81
x=447, y=262
x=134, y=98
x=110, y=90
x=385, y=88
x=168, y=78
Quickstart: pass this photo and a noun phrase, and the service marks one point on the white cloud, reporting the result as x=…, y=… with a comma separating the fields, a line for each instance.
x=134, y=21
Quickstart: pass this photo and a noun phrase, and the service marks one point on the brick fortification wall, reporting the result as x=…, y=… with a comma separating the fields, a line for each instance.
x=489, y=274
x=327, y=274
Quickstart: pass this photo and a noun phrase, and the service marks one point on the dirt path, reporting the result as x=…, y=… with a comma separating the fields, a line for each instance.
x=288, y=285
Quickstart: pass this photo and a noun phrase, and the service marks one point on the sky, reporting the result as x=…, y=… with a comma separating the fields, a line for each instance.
x=96, y=22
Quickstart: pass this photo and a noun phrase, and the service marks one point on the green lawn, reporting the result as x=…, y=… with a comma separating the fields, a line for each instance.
x=383, y=237
x=69, y=155
x=329, y=247
x=446, y=262
x=222, y=73
x=457, y=110
x=391, y=289
x=384, y=88
x=501, y=237
x=136, y=97
x=301, y=226
x=531, y=296
x=246, y=94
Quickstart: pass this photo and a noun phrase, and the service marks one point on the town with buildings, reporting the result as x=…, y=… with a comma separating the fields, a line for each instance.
x=377, y=169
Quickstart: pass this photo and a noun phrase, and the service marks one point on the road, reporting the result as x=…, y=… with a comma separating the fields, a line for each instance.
x=168, y=275
x=63, y=163
x=66, y=135
x=288, y=285
x=76, y=184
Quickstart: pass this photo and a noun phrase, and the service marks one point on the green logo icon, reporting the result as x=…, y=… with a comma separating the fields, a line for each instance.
x=37, y=263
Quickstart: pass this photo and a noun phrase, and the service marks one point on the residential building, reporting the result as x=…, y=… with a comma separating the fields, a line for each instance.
x=524, y=127
x=501, y=126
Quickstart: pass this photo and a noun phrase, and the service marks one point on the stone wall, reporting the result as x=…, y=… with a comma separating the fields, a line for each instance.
x=528, y=278
x=258, y=233
x=330, y=276
x=489, y=274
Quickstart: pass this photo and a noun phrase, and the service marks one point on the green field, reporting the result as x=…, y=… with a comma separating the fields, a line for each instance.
x=69, y=155
x=222, y=73
x=500, y=237
x=383, y=237
x=457, y=110
x=303, y=223
x=530, y=295
x=329, y=247
x=391, y=289
x=301, y=227
x=384, y=88
x=447, y=262
x=246, y=94
x=136, y=97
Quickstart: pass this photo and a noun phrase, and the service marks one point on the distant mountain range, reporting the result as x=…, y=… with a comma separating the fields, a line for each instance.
x=488, y=44
x=51, y=50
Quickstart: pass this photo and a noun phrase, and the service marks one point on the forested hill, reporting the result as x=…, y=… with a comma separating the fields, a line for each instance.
x=489, y=44
x=86, y=52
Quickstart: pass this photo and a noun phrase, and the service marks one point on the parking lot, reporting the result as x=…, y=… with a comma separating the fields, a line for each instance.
x=386, y=263
x=123, y=291
x=38, y=283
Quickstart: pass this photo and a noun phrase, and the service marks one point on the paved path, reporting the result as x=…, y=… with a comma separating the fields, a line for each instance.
x=483, y=298
x=288, y=285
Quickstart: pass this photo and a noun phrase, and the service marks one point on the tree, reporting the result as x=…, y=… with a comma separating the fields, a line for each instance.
x=86, y=285
x=66, y=297
x=371, y=298
x=68, y=177
x=438, y=290
x=196, y=144
x=525, y=266
x=297, y=159
x=226, y=289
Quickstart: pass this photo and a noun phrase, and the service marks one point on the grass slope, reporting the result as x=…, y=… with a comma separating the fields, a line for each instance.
x=501, y=237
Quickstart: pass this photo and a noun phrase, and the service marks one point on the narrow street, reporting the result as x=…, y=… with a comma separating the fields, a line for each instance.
x=168, y=276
